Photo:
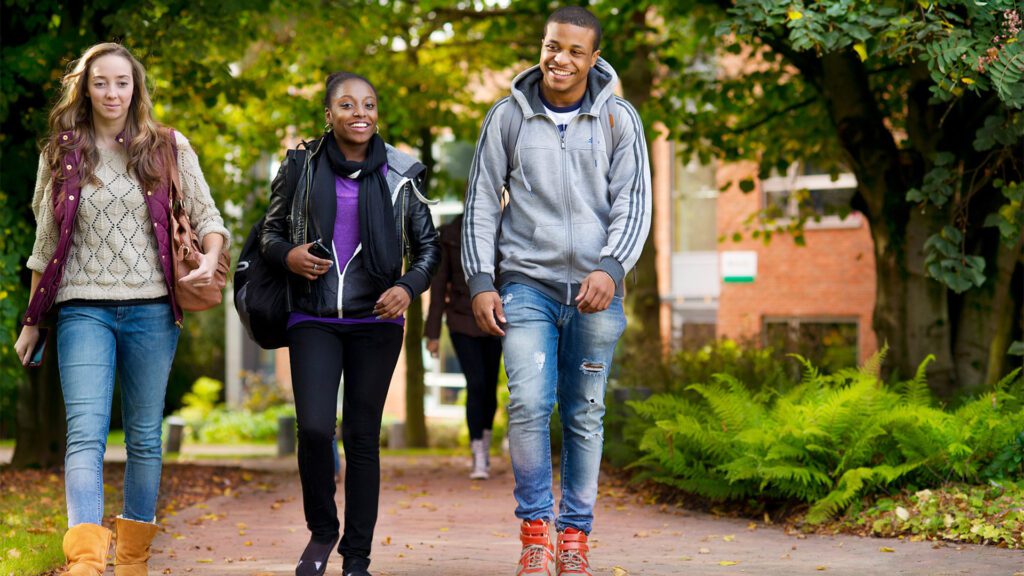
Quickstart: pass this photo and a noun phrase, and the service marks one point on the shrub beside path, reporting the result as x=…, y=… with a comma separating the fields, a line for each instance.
x=434, y=521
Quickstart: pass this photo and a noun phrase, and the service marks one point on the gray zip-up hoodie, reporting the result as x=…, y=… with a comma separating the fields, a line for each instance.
x=569, y=212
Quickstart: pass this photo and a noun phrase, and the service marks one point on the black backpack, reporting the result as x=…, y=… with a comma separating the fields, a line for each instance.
x=261, y=288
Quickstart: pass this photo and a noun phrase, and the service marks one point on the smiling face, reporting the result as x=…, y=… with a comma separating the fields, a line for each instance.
x=110, y=87
x=566, y=57
x=352, y=114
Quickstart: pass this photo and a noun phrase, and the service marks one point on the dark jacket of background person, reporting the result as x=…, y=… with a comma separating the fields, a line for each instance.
x=449, y=294
x=296, y=217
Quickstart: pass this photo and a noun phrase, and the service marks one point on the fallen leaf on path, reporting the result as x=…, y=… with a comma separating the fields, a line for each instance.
x=444, y=529
x=821, y=568
x=248, y=543
x=386, y=541
x=617, y=571
x=685, y=558
x=886, y=549
x=704, y=551
x=729, y=537
x=641, y=534
x=752, y=526
x=204, y=560
x=728, y=563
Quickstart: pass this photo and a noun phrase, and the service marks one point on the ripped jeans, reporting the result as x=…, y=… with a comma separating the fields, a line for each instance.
x=553, y=352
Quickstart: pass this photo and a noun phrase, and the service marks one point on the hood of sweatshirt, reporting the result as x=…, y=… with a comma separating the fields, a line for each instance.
x=601, y=83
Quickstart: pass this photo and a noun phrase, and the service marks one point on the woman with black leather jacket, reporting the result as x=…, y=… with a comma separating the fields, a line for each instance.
x=341, y=234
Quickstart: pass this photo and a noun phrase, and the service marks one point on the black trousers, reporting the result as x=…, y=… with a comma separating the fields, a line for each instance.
x=480, y=358
x=366, y=354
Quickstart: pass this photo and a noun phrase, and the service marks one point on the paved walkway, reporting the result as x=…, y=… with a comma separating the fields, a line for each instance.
x=434, y=521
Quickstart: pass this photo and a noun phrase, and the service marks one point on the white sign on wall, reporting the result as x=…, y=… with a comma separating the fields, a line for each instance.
x=738, y=266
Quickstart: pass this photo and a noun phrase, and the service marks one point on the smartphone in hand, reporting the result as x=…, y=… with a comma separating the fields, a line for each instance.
x=318, y=249
x=39, y=350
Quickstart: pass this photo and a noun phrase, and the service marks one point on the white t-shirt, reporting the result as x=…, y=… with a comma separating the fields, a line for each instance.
x=561, y=115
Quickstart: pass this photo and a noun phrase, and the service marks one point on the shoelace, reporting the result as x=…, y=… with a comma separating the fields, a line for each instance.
x=536, y=556
x=572, y=560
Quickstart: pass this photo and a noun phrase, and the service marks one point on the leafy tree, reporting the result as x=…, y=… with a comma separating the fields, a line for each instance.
x=922, y=101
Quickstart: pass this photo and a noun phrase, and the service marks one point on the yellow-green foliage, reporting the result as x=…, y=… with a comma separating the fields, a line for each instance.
x=828, y=440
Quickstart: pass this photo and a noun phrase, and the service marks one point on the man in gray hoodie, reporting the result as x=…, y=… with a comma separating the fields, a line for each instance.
x=545, y=267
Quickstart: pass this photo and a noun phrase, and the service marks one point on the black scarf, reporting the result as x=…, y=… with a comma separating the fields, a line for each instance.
x=382, y=256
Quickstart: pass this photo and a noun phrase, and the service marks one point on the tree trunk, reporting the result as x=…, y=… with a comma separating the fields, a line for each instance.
x=41, y=420
x=415, y=419
x=1004, y=310
x=912, y=309
x=643, y=301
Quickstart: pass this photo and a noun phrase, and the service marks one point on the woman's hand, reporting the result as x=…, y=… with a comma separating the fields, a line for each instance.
x=203, y=275
x=302, y=263
x=392, y=303
x=26, y=343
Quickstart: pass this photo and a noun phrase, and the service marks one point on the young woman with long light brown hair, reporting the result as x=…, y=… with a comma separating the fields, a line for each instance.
x=101, y=271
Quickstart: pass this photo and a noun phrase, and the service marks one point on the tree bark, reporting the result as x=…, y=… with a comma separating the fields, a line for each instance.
x=40, y=413
x=1006, y=306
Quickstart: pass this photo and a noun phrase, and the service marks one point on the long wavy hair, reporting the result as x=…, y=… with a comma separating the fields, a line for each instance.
x=148, y=146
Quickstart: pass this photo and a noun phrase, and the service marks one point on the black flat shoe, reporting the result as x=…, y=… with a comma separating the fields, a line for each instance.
x=357, y=573
x=313, y=561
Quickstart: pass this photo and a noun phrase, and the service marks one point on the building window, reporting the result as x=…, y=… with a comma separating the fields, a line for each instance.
x=831, y=344
x=693, y=207
x=808, y=191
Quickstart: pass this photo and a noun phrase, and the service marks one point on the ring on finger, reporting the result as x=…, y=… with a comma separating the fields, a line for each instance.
x=316, y=267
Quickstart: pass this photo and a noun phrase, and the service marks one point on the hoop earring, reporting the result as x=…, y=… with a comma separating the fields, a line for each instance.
x=377, y=128
x=327, y=128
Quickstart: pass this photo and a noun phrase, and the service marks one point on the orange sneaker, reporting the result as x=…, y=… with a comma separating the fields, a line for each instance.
x=537, y=557
x=572, y=553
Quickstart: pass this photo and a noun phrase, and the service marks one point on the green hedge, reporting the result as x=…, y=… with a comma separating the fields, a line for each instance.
x=827, y=440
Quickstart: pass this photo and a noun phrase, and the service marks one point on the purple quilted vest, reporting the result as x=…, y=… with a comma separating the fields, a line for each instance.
x=65, y=209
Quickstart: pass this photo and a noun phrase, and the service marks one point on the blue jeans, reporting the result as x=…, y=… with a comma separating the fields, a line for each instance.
x=93, y=342
x=553, y=352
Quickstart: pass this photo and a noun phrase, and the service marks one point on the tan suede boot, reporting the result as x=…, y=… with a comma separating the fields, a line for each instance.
x=85, y=547
x=131, y=551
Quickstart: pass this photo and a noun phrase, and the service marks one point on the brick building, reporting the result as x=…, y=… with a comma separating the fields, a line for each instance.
x=816, y=299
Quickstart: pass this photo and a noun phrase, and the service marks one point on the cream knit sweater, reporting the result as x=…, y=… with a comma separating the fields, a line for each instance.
x=113, y=254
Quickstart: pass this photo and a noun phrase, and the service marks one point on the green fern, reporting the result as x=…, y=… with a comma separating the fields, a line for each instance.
x=827, y=441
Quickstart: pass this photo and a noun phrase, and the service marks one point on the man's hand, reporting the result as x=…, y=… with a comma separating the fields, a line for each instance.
x=486, y=308
x=433, y=346
x=596, y=292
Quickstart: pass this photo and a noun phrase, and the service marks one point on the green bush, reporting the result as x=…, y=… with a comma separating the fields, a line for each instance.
x=224, y=426
x=208, y=421
x=760, y=367
x=827, y=440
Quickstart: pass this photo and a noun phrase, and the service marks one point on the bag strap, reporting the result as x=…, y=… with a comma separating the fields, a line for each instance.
x=296, y=161
x=512, y=125
x=177, y=197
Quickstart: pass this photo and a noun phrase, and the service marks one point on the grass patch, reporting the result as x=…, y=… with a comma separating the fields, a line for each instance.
x=34, y=520
x=992, y=514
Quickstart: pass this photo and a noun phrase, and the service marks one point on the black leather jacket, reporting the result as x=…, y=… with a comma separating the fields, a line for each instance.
x=293, y=219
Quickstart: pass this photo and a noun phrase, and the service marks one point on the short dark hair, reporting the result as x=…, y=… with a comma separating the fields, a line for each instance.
x=337, y=79
x=577, y=16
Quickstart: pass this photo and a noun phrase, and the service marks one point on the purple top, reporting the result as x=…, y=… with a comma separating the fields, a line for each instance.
x=346, y=240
